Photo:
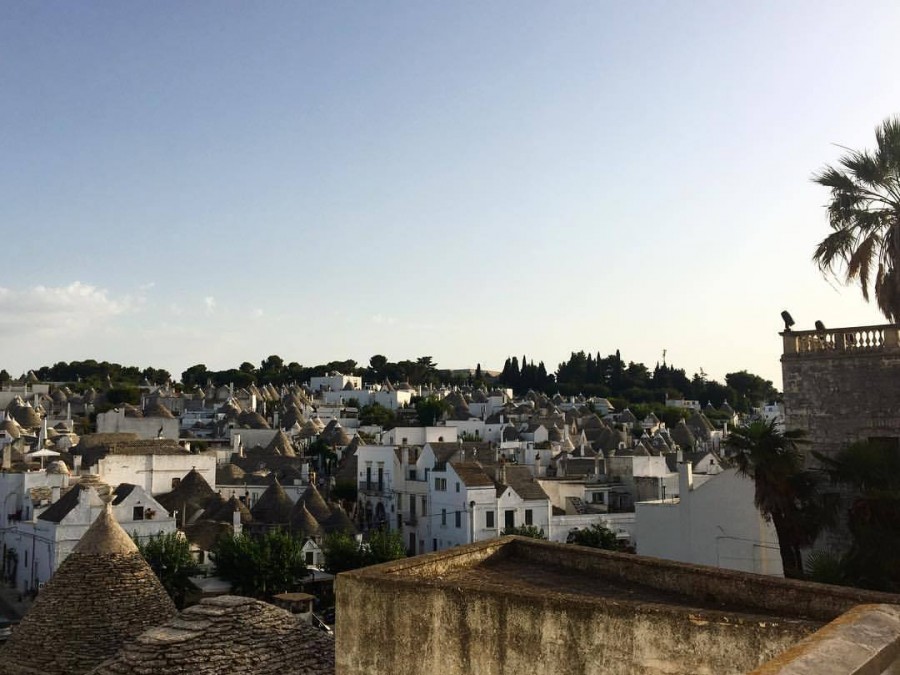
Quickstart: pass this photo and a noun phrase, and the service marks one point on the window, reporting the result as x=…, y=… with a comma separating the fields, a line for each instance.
x=529, y=517
x=424, y=507
x=457, y=486
x=309, y=557
x=380, y=479
x=368, y=478
x=443, y=517
x=176, y=482
x=434, y=544
x=412, y=474
x=458, y=519
x=26, y=557
x=597, y=498
x=509, y=518
x=137, y=513
x=399, y=501
x=440, y=484
x=489, y=519
x=399, y=521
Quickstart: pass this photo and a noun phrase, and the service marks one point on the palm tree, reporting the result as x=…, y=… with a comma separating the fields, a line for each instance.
x=864, y=214
x=785, y=494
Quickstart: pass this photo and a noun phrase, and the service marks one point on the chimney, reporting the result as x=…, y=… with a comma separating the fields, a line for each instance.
x=76, y=462
x=597, y=465
x=404, y=459
x=502, y=477
x=54, y=494
x=685, y=479
x=236, y=522
x=679, y=456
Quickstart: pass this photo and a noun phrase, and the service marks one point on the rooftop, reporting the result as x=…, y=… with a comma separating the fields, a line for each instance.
x=551, y=608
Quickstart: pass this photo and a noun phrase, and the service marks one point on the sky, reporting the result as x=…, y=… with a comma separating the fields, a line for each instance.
x=215, y=182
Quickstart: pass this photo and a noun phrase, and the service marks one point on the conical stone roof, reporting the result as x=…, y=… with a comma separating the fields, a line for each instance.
x=192, y=494
x=339, y=522
x=281, y=445
x=303, y=522
x=225, y=513
x=224, y=636
x=274, y=506
x=102, y=595
x=315, y=504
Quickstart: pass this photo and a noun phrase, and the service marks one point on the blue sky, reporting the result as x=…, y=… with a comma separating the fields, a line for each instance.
x=214, y=182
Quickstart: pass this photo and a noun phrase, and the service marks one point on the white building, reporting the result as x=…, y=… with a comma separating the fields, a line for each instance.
x=155, y=468
x=39, y=544
x=711, y=523
x=115, y=421
x=419, y=435
x=447, y=494
x=336, y=382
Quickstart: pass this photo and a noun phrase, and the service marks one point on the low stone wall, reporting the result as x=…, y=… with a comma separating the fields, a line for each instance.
x=421, y=615
x=863, y=641
x=754, y=592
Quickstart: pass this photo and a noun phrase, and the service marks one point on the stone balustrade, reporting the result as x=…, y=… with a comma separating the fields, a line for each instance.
x=853, y=340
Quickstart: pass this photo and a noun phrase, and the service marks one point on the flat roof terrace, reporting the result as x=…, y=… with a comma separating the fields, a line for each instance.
x=515, y=605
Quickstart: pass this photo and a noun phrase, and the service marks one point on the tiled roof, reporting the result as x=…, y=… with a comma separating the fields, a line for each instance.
x=63, y=506
x=472, y=474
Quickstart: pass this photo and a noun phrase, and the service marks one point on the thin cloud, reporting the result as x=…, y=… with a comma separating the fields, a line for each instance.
x=210, y=303
x=51, y=309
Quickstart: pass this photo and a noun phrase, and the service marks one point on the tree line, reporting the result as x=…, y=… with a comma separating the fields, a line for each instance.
x=583, y=373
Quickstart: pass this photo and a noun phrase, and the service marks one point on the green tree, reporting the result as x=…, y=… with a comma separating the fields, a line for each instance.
x=384, y=546
x=343, y=552
x=870, y=473
x=784, y=493
x=595, y=536
x=260, y=566
x=376, y=414
x=430, y=410
x=530, y=531
x=864, y=215
x=169, y=556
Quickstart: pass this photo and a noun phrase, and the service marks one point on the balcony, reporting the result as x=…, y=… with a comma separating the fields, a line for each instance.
x=374, y=489
x=850, y=341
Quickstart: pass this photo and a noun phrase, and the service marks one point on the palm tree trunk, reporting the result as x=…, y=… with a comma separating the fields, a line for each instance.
x=791, y=559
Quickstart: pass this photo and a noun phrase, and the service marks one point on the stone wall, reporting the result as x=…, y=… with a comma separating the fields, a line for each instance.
x=422, y=615
x=839, y=397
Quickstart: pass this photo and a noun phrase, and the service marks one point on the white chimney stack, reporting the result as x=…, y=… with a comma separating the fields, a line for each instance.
x=685, y=479
x=236, y=522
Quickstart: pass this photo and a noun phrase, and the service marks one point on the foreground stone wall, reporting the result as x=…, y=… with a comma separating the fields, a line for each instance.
x=415, y=616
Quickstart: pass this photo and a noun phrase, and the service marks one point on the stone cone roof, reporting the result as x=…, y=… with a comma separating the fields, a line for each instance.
x=225, y=513
x=157, y=409
x=339, y=522
x=253, y=420
x=27, y=417
x=224, y=636
x=315, y=504
x=102, y=595
x=683, y=436
x=274, y=506
x=303, y=522
x=281, y=445
x=192, y=494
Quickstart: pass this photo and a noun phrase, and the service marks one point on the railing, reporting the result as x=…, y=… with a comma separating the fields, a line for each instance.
x=855, y=340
